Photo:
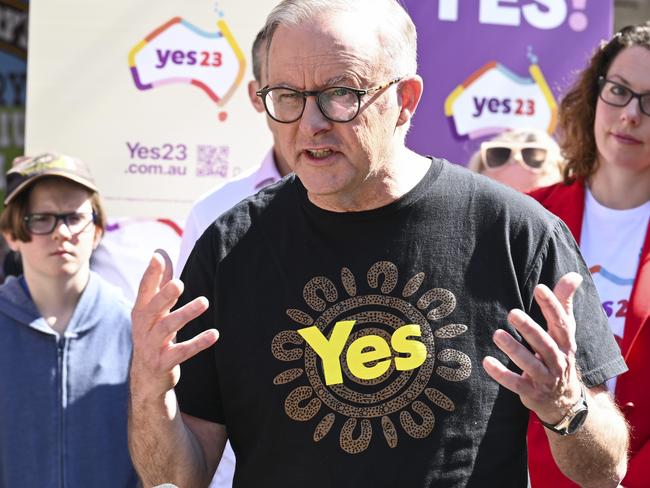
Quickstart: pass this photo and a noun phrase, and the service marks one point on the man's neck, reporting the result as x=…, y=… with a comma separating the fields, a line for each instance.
x=280, y=163
x=394, y=181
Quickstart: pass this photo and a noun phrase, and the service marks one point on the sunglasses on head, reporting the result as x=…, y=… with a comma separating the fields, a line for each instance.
x=496, y=154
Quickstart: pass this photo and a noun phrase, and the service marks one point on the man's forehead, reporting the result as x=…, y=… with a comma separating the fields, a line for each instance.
x=318, y=70
x=321, y=50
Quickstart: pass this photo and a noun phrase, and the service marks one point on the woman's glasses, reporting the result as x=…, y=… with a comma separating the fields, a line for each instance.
x=618, y=95
x=45, y=223
x=496, y=154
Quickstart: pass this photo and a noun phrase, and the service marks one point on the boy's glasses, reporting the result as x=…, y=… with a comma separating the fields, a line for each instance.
x=496, y=154
x=45, y=223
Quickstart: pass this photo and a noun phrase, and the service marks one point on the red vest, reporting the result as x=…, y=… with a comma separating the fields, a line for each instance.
x=632, y=388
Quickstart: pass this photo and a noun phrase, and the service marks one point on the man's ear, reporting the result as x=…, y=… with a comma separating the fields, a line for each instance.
x=256, y=101
x=409, y=92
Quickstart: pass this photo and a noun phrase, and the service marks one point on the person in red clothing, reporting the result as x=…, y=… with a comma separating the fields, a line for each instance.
x=605, y=202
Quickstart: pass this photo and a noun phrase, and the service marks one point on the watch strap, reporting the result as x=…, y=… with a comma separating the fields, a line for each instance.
x=579, y=408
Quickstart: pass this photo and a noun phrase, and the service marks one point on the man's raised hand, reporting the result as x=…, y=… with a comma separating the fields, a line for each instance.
x=549, y=383
x=156, y=356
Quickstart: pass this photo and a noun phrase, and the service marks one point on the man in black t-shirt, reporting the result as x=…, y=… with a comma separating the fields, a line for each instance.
x=385, y=319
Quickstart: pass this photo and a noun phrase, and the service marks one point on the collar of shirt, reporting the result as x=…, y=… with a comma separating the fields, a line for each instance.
x=268, y=172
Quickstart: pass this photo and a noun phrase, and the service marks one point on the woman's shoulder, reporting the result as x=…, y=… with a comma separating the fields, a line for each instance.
x=559, y=191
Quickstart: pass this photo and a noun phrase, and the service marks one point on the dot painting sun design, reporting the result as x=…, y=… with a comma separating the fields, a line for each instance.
x=365, y=361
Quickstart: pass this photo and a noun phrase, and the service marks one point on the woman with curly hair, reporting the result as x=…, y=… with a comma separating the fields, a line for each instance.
x=605, y=202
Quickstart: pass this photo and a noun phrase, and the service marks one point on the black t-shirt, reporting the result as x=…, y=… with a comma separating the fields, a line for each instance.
x=351, y=343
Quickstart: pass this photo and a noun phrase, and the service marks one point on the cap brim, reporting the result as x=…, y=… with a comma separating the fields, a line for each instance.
x=65, y=175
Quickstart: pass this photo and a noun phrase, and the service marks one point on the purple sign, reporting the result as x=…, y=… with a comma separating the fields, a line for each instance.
x=490, y=65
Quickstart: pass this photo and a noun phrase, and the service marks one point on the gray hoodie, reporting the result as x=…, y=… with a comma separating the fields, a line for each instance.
x=63, y=398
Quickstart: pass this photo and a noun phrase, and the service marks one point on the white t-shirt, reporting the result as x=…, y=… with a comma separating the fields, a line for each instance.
x=611, y=242
x=212, y=204
x=127, y=246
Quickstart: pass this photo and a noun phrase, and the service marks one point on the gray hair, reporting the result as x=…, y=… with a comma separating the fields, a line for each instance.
x=394, y=28
x=258, y=54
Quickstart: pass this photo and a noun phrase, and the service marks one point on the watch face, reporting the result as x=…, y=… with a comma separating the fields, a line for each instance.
x=577, y=421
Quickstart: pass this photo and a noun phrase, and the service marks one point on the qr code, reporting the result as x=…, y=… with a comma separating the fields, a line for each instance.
x=212, y=160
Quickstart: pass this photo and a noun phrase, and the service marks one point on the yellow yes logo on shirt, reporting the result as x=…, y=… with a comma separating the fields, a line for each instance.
x=380, y=333
x=364, y=350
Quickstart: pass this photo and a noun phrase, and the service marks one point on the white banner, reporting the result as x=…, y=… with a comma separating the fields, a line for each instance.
x=152, y=96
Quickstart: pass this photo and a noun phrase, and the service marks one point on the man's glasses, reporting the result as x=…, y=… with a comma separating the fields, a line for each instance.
x=45, y=223
x=336, y=103
x=496, y=154
x=618, y=95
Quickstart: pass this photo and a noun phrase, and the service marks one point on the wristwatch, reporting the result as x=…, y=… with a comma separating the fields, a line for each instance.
x=574, y=419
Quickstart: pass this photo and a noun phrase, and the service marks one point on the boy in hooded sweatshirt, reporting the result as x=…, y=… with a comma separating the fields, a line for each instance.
x=65, y=339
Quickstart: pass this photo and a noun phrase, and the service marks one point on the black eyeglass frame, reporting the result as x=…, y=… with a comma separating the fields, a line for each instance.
x=58, y=217
x=317, y=93
x=602, y=81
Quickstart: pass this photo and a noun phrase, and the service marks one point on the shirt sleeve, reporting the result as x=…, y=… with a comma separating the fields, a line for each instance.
x=598, y=356
x=198, y=390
